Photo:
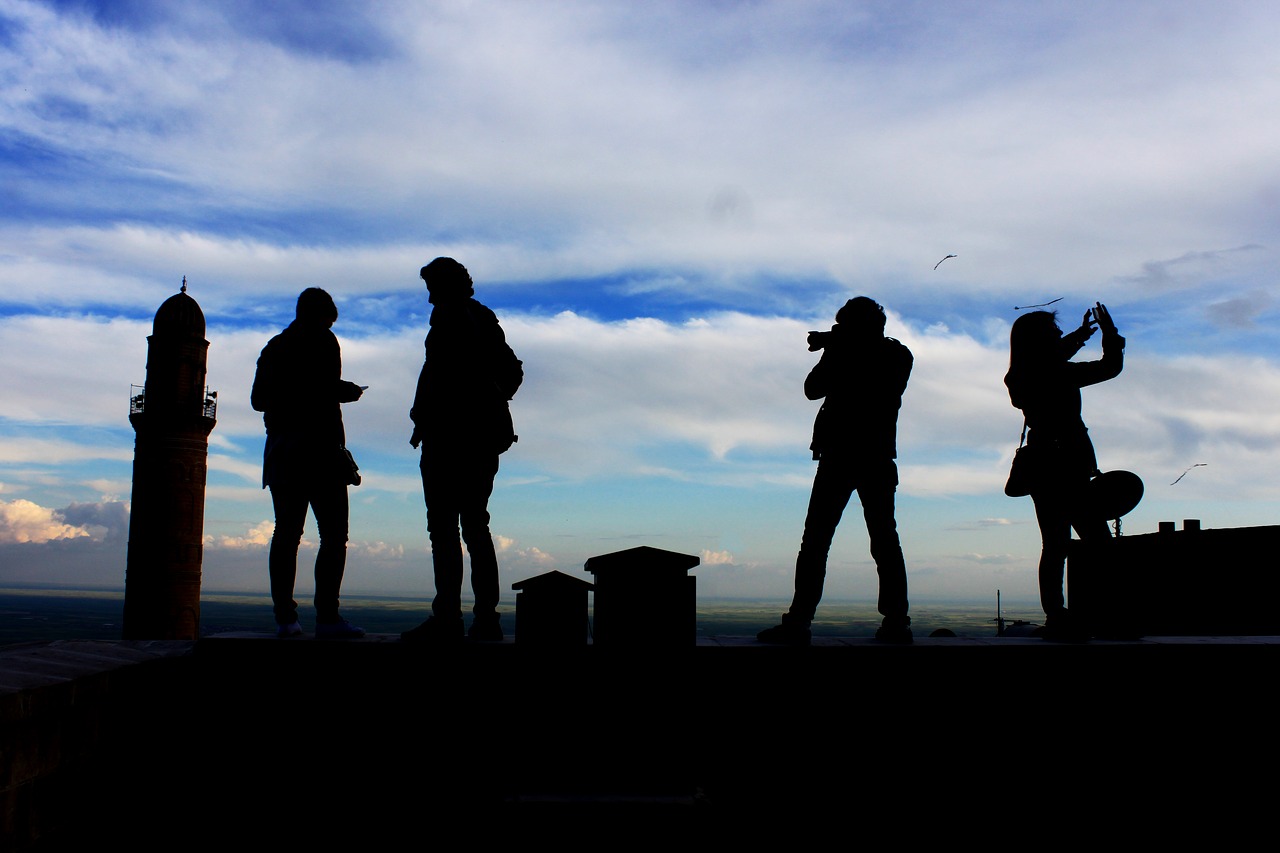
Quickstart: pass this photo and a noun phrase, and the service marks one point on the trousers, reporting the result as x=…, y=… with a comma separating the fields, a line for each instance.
x=1061, y=505
x=328, y=500
x=836, y=480
x=456, y=485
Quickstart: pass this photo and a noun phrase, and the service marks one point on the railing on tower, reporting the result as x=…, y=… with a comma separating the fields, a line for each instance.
x=138, y=401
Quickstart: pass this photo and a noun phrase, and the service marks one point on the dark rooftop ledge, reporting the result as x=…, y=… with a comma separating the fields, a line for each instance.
x=380, y=733
x=28, y=666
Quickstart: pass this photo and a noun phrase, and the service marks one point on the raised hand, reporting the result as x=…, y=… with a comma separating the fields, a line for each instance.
x=1087, y=327
x=1103, y=316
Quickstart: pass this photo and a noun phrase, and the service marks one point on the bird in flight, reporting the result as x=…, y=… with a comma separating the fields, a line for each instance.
x=1038, y=305
x=939, y=263
x=1184, y=473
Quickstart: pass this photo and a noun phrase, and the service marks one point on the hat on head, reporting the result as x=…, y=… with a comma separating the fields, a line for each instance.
x=447, y=277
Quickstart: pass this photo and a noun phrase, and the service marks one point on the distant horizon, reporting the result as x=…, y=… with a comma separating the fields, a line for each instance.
x=35, y=615
x=264, y=593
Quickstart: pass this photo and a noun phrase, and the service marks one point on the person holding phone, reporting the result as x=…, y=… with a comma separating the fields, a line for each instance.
x=1045, y=384
x=299, y=389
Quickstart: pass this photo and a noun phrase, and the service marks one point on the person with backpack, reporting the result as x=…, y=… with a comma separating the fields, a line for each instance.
x=462, y=421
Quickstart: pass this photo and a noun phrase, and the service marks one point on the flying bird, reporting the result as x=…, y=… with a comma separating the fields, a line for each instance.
x=1184, y=473
x=1039, y=305
x=939, y=263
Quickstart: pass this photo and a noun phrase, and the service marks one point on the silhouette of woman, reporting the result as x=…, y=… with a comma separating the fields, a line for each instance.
x=1045, y=384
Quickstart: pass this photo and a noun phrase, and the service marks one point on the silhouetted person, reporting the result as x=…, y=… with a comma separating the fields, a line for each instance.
x=1045, y=384
x=299, y=389
x=462, y=421
x=862, y=375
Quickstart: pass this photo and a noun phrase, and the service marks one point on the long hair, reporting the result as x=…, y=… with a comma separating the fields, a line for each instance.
x=1034, y=342
x=1035, y=349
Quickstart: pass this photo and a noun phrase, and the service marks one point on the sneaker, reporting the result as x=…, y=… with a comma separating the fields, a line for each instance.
x=785, y=635
x=898, y=635
x=293, y=629
x=436, y=631
x=340, y=630
x=485, y=629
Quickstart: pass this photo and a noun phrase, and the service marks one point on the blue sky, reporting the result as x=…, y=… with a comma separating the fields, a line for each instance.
x=659, y=200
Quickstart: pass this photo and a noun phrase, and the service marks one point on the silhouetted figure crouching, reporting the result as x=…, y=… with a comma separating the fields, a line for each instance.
x=299, y=389
x=862, y=375
x=1045, y=384
x=462, y=420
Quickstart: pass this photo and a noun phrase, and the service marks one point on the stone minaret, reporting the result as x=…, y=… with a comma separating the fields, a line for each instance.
x=172, y=418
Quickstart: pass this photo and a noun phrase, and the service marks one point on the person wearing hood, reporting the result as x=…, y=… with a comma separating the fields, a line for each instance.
x=299, y=389
x=462, y=421
x=860, y=377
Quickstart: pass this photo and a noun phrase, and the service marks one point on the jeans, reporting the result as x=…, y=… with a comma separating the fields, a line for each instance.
x=1061, y=504
x=875, y=482
x=456, y=485
x=329, y=503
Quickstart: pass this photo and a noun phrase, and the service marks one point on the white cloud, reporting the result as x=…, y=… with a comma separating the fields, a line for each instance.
x=716, y=558
x=258, y=536
x=24, y=521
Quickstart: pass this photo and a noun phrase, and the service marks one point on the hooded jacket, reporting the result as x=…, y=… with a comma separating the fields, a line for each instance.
x=468, y=376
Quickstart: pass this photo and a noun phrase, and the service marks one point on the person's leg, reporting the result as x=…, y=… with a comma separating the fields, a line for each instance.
x=474, y=517
x=876, y=491
x=441, y=484
x=1055, y=533
x=329, y=503
x=832, y=488
x=282, y=561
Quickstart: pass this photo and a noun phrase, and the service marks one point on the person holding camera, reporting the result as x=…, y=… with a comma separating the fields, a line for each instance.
x=860, y=377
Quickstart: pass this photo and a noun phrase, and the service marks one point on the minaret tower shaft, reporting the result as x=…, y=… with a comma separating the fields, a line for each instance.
x=172, y=419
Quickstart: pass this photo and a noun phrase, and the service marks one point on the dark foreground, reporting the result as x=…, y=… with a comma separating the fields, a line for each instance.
x=252, y=743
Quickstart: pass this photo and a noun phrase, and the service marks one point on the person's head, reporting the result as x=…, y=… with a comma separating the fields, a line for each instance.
x=446, y=280
x=316, y=306
x=1035, y=339
x=862, y=315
